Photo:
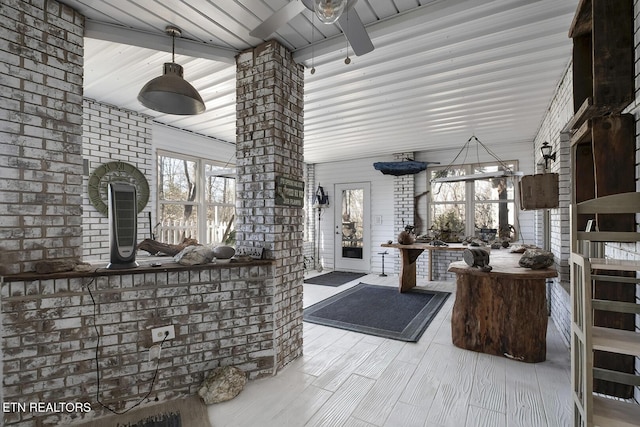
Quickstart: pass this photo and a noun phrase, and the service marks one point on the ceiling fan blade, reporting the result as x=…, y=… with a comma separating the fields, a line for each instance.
x=279, y=18
x=355, y=31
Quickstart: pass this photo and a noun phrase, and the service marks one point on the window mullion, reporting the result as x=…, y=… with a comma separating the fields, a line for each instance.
x=470, y=197
x=201, y=203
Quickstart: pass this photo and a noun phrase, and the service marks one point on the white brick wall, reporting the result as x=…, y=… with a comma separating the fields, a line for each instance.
x=113, y=134
x=269, y=145
x=223, y=316
x=40, y=133
x=403, y=212
x=558, y=115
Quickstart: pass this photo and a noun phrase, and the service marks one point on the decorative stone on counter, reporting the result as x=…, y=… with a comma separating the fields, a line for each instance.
x=56, y=266
x=194, y=255
x=536, y=259
x=223, y=252
x=222, y=384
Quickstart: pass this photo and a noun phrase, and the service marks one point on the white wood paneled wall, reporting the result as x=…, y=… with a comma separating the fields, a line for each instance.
x=329, y=174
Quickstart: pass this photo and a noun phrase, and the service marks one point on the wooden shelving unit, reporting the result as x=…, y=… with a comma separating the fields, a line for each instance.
x=603, y=55
x=586, y=338
x=603, y=164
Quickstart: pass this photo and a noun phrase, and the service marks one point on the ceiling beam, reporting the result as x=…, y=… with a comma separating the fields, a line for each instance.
x=160, y=42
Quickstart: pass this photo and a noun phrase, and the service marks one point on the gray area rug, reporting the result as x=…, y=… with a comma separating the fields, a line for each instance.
x=379, y=310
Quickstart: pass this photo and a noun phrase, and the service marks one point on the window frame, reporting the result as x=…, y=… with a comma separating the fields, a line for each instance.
x=470, y=194
x=200, y=203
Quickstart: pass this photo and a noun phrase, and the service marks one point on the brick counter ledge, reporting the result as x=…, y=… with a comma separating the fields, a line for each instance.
x=223, y=315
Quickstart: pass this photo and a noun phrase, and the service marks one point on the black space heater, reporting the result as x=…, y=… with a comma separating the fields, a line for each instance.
x=123, y=225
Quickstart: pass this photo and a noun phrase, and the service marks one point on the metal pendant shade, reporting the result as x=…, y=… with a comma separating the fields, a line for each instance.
x=170, y=93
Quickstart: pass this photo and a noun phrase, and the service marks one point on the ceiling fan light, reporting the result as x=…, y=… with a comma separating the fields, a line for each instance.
x=328, y=11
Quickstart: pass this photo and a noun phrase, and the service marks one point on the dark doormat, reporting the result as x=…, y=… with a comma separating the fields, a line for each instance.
x=164, y=420
x=186, y=412
x=334, y=278
x=379, y=310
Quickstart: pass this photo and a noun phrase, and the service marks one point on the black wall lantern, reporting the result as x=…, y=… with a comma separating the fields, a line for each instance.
x=547, y=154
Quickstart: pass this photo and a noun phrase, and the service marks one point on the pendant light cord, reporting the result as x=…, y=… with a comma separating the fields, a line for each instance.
x=173, y=47
x=347, y=60
x=313, y=43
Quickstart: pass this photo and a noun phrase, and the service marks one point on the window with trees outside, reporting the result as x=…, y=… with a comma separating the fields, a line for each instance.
x=463, y=208
x=196, y=199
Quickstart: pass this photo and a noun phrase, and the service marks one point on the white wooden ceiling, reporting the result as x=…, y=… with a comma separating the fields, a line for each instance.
x=441, y=71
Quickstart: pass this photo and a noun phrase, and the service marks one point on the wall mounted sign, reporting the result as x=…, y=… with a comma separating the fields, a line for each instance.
x=116, y=172
x=540, y=191
x=253, y=252
x=289, y=192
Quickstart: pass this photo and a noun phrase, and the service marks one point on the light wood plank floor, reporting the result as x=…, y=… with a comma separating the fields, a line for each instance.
x=351, y=379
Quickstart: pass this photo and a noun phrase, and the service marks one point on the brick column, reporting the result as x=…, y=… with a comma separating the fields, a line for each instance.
x=41, y=127
x=269, y=146
x=403, y=194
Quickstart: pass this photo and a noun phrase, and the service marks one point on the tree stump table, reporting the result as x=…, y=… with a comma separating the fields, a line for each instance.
x=501, y=312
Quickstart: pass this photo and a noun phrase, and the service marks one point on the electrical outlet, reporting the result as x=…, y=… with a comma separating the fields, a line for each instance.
x=158, y=334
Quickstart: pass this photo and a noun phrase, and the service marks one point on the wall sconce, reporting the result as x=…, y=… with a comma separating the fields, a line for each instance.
x=547, y=154
x=321, y=199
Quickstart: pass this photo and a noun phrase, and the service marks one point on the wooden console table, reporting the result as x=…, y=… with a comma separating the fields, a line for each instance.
x=502, y=312
x=410, y=253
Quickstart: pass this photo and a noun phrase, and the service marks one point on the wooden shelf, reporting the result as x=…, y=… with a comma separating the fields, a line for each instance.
x=609, y=236
x=582, y=20
x=616, y=341
x=603, y=57
x=604, y=306
x=603, y=153
x=614, y=264
x=616, y=376
x=609, y=412
x=617, y=306
x=586, y=111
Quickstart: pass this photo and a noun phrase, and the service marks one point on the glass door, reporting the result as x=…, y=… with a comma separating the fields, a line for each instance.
x=352, y=227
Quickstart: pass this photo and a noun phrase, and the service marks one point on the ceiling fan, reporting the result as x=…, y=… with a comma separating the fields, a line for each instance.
x=349, y=21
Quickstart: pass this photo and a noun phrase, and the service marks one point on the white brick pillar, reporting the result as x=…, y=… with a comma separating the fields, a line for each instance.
x=41, y=70
x=269, y=117
x=403, y=200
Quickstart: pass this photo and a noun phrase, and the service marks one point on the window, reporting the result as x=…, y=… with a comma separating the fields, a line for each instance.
x=221, y=203
x=463, y=208
x=196, y=199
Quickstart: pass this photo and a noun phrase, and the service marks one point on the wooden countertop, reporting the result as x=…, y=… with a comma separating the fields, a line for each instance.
x=503, y=263
x=100, y=270
x=427, y=246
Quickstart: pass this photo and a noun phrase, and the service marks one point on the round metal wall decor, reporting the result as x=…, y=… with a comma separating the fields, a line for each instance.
x=116, y=172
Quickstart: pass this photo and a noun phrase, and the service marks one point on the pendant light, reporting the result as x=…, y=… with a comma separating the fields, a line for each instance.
x=328, y=11
x=171, y=93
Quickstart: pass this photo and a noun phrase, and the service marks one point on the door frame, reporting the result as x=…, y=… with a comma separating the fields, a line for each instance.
x=352, y=264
